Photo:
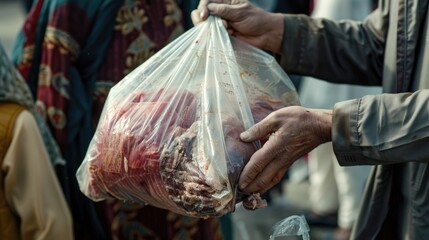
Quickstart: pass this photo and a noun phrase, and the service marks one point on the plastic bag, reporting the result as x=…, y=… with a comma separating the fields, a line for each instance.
x=169, y=132
x=291, y=226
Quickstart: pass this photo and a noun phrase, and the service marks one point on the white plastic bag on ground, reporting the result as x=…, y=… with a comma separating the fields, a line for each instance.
x=291, y=226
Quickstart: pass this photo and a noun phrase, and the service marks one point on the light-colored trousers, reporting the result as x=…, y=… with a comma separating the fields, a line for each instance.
x=334, y=188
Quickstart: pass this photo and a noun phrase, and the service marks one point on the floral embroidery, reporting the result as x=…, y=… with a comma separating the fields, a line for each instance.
x=102, y=89
x=41, y=109
x=130, y=18
x=57, y=117
x=45, y=75
x=28, y=54
x=174, y=15
x=125, y=219
x=139, y=51
x=62, y=85
x=185, y=227
x=65, y=43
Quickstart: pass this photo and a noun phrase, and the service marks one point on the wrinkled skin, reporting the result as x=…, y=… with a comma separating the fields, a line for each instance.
x=292, y=132
x=245, y=21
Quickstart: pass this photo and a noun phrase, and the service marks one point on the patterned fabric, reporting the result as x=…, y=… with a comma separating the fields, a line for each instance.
x=71, y=66
x=14, y=89
x=59, y=52
x=141, y=29
x=135, y=221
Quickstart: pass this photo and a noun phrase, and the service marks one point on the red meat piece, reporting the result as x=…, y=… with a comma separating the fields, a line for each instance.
x=144, y=150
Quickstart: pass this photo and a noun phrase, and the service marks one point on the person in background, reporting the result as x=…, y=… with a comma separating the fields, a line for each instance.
x=32, y=205
x=71, y=52
x=335, y=192
x=390, y=130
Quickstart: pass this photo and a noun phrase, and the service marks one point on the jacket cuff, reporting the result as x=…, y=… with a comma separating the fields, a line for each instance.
x=345, y=133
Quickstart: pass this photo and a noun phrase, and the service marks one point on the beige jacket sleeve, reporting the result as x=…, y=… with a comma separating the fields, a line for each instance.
x=379, y=129
x=382, y=129
x=31, y=187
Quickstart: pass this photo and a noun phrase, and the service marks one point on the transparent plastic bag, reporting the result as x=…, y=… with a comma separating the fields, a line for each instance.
x=291, y=226
x=169, y=132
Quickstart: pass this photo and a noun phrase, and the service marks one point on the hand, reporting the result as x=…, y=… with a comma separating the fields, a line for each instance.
x=245, y=21
x=292, y=132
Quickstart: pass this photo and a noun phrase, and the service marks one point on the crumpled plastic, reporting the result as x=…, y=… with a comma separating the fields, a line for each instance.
x=291, y=226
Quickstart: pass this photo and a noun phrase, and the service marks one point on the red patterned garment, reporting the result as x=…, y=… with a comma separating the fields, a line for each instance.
x=70, y=63
x=142, y=28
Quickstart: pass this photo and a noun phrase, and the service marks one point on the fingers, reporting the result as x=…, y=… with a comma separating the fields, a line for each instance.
x=268, y=178
x=258, y=131
x=196, y=17
x=251, y=170
x=201, y=13
x=259, y=163
x=224, y=10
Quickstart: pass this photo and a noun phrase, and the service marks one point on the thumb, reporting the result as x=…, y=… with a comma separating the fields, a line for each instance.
x=223, y=10
x=259, y=131
x=201, y=13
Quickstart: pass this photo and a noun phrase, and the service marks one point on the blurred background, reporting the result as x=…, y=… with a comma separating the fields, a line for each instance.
x=12, y=15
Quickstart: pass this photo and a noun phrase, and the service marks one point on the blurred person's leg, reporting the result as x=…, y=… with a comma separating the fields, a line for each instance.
x=350, y=184
x=323, y=191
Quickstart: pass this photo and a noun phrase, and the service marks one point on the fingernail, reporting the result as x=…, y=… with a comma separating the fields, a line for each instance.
x=244, y=135
x=243, y=186
x=202, y=14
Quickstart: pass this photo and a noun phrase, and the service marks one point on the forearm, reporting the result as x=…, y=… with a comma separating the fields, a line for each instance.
x=323, y=125
x=379, y=129
x=274, y=25
x=343, y=52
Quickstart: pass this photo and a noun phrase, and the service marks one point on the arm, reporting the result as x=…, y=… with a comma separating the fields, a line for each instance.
x=337, y=51
x=31, y=187
x=382, y=129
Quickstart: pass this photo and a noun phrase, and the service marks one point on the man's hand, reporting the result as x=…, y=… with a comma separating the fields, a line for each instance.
x=245, y=21
x=202, y=12
x=292, y=132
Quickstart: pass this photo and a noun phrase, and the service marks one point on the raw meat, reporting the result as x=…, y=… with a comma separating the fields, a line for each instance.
x=146, y=150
